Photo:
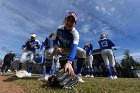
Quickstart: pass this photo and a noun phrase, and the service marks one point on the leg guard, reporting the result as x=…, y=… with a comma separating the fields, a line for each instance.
x=80, y=62
x=30, y=68
x=91, y=71
x=114, y=71
x=48, y=67
x=108, y=70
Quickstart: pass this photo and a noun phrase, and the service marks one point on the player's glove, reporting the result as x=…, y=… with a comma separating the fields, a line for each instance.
x=62, y=79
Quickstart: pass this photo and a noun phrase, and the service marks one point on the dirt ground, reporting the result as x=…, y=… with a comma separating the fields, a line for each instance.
x=9, y=86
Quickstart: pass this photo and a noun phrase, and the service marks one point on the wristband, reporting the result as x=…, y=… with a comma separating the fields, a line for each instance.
x=69, y=62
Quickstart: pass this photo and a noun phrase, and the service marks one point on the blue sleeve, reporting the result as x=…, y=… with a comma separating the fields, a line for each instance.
x=111, y=43
x=42, y=46
x=25, y=44
x=91, y=49
x=73, y=52
x=43, y=43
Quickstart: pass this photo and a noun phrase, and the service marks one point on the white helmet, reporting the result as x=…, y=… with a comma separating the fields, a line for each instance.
x=103, y=36
x=33, y=35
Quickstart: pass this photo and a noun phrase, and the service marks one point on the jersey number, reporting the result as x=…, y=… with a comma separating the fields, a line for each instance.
x=104, y=44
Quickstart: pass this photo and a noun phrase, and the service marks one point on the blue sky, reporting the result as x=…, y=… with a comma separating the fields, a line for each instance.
x=119, y=19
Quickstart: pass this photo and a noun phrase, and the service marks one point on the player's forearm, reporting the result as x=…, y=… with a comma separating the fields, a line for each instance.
x=56, y=47
x=73, y=52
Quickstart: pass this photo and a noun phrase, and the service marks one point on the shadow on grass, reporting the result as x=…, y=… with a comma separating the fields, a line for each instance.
x=57, y=89
x=29, y=78
x=10, y=79
x=14, y=78
x=46, y=85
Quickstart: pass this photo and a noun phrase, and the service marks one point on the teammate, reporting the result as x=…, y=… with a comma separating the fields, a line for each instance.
x=48, y=58
x=89, y=60
x=29, y=49
x=8, y=59
x=66, y=42
x=108, y=56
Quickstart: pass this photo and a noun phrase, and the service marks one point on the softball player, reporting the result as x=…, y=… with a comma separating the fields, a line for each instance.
x=48, y=58
x=29, y=49
x=89, y=60
x=107, y=55
x=66, y=42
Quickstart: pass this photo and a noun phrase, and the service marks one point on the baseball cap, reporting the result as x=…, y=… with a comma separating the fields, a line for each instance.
x=103, y=36
x=72, y=14
x=33, y=35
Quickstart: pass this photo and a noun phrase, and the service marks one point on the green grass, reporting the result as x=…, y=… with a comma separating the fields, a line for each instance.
x=91, y=85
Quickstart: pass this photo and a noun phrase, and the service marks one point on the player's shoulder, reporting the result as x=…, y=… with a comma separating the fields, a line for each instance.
x=107, y=39
x=74, y=31
x=60, y=29
x=101, y=40
x=37, y=40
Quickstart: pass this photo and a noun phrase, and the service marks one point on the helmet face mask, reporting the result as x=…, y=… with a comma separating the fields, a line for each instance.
x=32, y=38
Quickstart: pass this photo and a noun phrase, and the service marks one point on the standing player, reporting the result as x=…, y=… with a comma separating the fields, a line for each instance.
x=29, y=49
x=66, y=42
x=89, y=60
x=47, y=61
x=8, y=59
x=108, y=56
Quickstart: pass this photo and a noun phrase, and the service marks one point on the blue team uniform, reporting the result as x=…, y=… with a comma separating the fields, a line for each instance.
x=48, y=43
x=47, y=61
x=29, y=45
x=88, y=49
x=108, y=56
x=68, y=39
x=106, y=44
x=89, y=60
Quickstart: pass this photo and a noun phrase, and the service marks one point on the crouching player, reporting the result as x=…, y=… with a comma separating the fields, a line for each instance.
x=67, y=39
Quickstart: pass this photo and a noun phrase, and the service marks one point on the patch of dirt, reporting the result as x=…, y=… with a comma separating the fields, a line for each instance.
x=9, y=86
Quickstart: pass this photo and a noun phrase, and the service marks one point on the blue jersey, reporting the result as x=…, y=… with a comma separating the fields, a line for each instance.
x=48, y=43
x=88, y=49
x=67, y=39
x=106, y=44
x=30, y=45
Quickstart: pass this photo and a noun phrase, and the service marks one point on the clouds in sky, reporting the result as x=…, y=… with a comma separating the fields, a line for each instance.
x=118, y=19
